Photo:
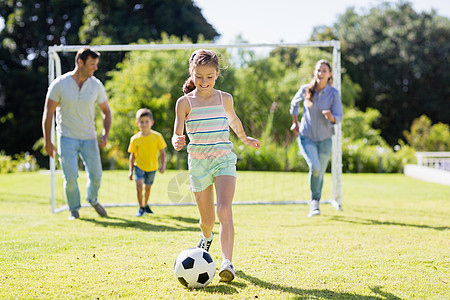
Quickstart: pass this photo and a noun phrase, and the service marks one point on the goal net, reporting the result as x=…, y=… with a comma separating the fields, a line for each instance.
x=172, y=187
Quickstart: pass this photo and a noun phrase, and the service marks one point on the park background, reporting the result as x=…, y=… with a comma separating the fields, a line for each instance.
x=394, y=79
x=389, y=242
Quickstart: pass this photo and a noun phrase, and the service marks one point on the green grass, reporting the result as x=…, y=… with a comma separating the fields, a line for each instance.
x=391, y=241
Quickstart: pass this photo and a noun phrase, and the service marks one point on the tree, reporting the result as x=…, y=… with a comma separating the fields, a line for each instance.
x=29, y=28
x=32, y=26
x=400, y=59
x=424, y=136
x=123, y=22
x=151, y=79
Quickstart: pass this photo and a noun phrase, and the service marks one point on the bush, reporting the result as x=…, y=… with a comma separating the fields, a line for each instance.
x=23, y=162
x=426, y=137
x=360, y=157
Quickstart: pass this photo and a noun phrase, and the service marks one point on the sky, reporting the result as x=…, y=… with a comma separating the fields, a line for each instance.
x=290, y=21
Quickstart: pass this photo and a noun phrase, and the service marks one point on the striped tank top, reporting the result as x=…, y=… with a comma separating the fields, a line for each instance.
x=208, y=131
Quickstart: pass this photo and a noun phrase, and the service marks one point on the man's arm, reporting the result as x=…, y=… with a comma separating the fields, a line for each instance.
x=106, y=117
x=47, y=122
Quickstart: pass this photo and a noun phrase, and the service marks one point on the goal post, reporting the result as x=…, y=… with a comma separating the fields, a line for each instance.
x=54, y=70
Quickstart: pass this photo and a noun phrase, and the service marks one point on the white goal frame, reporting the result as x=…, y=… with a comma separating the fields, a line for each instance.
x=54, y=70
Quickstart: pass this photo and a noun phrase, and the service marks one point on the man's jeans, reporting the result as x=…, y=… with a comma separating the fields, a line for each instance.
x=68, y=150
x=317, y=156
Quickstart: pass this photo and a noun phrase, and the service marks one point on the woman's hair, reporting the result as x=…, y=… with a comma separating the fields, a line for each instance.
x=200, y=57
x=311, y=88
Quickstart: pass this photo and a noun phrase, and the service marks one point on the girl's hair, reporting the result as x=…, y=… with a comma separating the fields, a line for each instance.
x=200, y=57
x=311, y=89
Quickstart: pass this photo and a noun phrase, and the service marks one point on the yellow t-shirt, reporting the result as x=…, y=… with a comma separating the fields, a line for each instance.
x=146, y=150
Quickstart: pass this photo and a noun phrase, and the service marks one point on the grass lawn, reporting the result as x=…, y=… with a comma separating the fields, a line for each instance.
x=391, y=241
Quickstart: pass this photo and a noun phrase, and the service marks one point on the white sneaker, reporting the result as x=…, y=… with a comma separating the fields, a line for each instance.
x=314, y=208
x=227, y=271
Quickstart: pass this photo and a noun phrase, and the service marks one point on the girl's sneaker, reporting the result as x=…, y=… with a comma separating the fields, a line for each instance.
x=205, y=243
x=227, y=271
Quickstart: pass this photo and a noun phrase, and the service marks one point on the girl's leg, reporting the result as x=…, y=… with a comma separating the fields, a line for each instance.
x=205, y=204
x=225, y=187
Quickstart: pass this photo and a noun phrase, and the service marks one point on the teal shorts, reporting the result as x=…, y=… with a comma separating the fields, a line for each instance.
x=203, y=171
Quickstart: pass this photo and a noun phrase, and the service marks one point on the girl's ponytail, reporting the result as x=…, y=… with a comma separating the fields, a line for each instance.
x=188, y=85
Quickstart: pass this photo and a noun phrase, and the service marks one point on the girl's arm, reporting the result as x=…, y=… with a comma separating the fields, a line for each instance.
x=181, y=111
x=236, y=124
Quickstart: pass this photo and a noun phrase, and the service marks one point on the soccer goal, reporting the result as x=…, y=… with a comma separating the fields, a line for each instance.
x=171, y=187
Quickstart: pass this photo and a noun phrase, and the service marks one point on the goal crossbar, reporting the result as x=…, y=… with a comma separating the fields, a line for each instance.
x=54, y=70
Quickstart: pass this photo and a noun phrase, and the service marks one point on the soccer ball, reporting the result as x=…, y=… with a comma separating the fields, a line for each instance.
x=194, y=268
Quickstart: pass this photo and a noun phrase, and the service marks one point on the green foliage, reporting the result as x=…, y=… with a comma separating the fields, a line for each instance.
x=32, y=26
x=360, y=157
x=357, y=125
x=23, y=162
x=400, y=59
x=424, y=136
x=262, y=88
x=125, y=22
x=151, y=79
x=365, y=151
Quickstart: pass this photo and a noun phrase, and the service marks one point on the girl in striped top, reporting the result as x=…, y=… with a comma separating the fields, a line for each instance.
x=207, y=114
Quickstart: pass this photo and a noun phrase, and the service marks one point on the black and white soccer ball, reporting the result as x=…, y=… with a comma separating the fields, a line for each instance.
x=194, y=268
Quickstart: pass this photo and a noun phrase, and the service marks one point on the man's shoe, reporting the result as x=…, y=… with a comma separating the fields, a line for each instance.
x=99, y=209
x=140, y=212
x=148, y=210
x=74, y=215
x=314, y=208
x=204, y=243
x=227, y=271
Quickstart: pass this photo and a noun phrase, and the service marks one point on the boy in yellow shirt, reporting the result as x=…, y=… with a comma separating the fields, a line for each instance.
x=144, y=148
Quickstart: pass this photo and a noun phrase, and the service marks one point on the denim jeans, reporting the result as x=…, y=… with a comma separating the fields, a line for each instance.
x=317, y=156
x=69, y=149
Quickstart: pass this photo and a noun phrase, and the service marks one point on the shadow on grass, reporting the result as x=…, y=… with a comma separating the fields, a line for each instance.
x=377, y=222
x=24, y=197
x=314, y=293
x=115, y=222
x=184, y=219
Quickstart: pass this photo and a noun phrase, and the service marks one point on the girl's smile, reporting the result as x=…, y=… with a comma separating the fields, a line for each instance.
x=205, y=77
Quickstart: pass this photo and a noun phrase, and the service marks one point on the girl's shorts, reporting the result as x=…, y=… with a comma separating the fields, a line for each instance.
x=148, y=177
x=203, y=171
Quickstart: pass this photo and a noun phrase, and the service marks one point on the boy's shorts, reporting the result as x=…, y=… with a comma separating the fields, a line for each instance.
x=148, y=177
x=203, y=171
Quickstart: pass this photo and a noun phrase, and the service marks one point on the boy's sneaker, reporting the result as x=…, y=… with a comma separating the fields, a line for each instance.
x=148, y=210
x=99, y=209
x=227, y=271
x=314, y=208
x=140, y=212
x=205, y=243
x=74, y=215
